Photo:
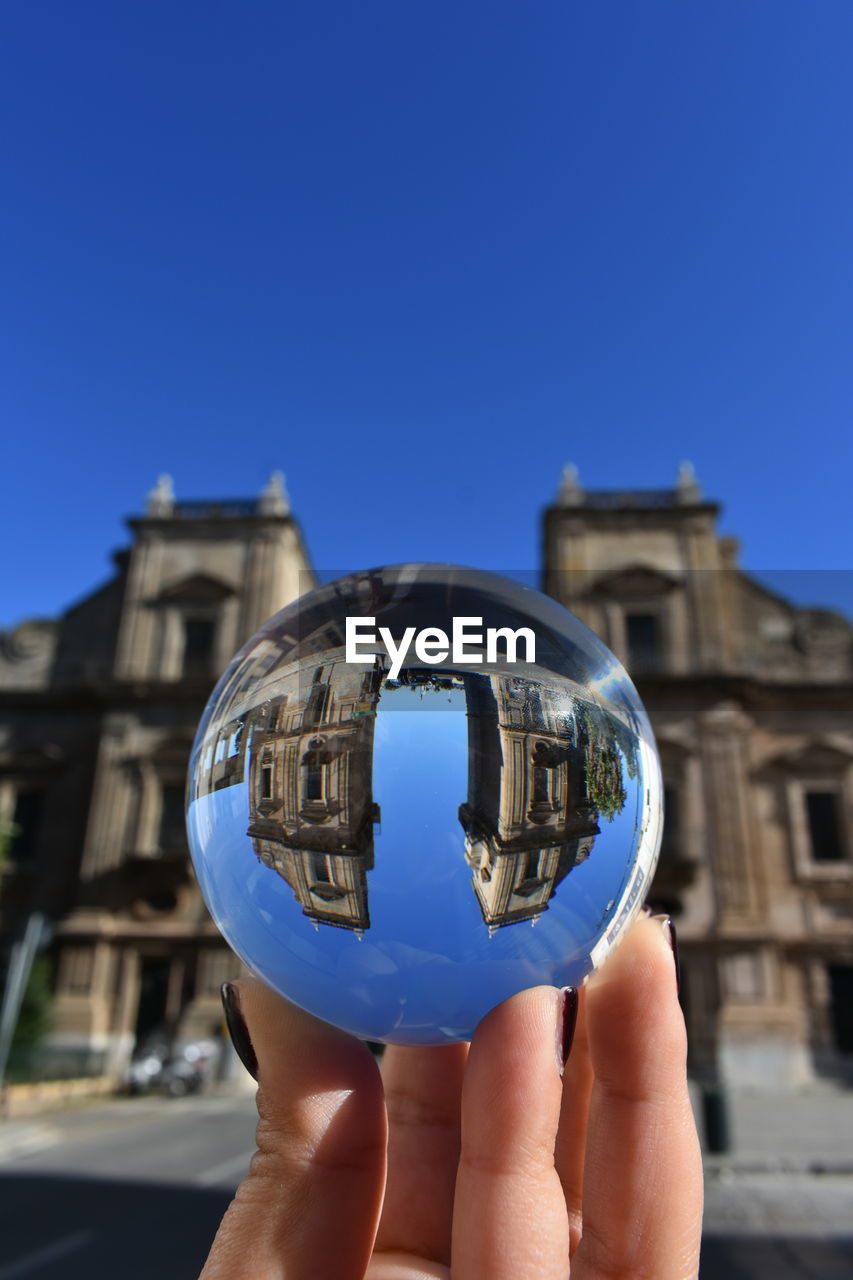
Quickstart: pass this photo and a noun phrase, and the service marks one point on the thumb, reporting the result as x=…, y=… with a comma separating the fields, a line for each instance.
x=318, y=1175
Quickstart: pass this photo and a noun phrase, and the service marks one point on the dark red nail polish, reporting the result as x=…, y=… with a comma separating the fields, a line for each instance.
x=569, y=1019
x=237, y=1028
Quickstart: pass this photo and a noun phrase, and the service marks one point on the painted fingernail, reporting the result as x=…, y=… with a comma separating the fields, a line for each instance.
x=672, y=938
x=566, y=1020
x=237, y=1029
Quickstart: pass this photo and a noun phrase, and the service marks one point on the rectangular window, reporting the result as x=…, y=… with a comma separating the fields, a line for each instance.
x=26, y=821
x=266, y=779
x=529, y=869
x=199, y=638
x=645, y=648
x=316, y=705
x=320, y=868
x=823, y=812
x=314, y=782
x=541, y=785
x=172, y=836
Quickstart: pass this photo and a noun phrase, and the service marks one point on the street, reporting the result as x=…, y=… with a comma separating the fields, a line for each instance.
x=135, y=1188
x=132, y=1188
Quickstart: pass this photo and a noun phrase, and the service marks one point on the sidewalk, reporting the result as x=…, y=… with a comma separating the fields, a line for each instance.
x=789, y=1170
x=50, y=1118
x=21, y=1137
x=810, y=1131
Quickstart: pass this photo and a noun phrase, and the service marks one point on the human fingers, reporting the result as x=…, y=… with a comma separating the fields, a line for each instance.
x=570, y=1149
x=423, y=1090
x=311, y=1201
x=510, y=1214
x=642, y=1202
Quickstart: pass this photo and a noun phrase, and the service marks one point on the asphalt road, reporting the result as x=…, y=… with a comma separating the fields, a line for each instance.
x=131, y=1189
x=134, y=1189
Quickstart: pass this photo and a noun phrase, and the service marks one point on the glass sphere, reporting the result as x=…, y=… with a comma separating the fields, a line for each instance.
x=397, y=831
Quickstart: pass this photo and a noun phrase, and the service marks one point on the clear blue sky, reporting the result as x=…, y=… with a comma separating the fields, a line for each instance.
x=419, y=256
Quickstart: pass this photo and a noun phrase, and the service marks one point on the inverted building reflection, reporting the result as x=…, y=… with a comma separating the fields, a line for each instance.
x=310, y=795
x=544, y=770
x=542, y=767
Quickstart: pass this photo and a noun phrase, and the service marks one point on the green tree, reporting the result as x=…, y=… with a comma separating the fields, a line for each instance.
x=604, y=785
x=35, y=1019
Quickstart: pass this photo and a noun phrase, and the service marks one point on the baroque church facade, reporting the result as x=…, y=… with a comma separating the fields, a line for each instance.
x=99, y=713
x=751, y=699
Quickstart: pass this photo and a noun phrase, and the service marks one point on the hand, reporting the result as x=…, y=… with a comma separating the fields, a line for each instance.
x=497, y=1168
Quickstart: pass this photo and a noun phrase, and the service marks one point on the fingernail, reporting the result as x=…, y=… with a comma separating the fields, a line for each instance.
x=237, y=1029
x=672, y=938
x=566, y=1020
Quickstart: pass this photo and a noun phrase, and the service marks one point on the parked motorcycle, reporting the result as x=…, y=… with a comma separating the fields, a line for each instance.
x=173, y=1070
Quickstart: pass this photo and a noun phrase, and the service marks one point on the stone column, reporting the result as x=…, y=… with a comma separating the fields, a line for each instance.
x=258, y=598
x=104, y=835
x=760, y=1030
x=735, y=846
x=149, y=810
x=127, y=1000
x=705, y=591
x=133, y=651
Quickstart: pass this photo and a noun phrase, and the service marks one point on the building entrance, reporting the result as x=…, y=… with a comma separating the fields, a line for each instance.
x=841, y=1006
x=151, y=1013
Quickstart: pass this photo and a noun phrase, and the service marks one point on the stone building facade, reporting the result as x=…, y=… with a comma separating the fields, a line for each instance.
x=302, y=741
x=528, y=818
x=98, y=711
x=751, y=699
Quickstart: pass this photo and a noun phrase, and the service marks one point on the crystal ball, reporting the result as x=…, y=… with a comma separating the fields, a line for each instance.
x=418, y=790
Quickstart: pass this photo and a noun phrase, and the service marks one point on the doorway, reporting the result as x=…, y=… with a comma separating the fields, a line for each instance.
x=151, y=1016
x=841, y=1006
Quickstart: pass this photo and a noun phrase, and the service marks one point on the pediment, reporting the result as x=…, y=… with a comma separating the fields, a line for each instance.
x=197, y=589
x=820, y=755
x=634, y=582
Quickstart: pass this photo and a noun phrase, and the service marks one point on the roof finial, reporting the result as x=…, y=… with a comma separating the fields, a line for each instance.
x=161, y=499
x=686, y=485
x=274, y=500
x=570, y=493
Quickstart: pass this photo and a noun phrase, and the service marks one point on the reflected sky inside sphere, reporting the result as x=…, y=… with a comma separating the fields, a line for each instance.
x=398, y=855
